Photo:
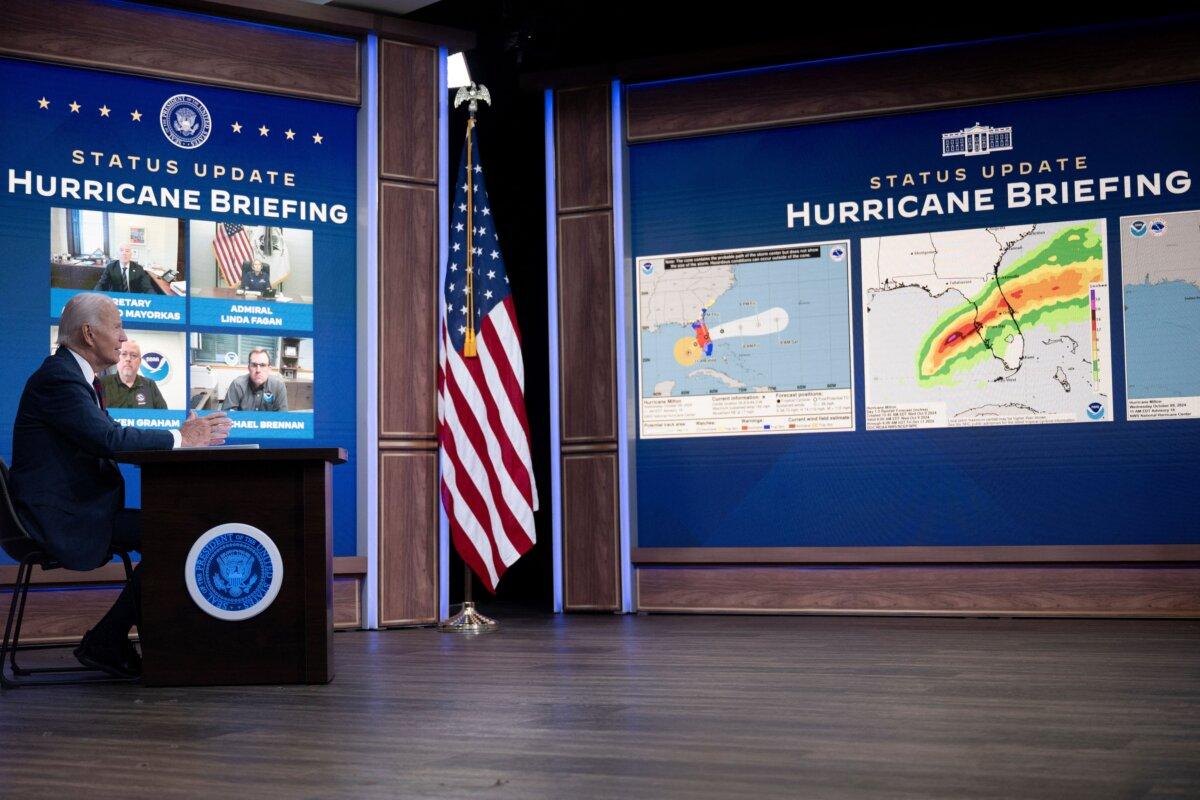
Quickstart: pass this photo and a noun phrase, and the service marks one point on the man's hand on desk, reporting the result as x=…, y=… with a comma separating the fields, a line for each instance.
x=211, y=429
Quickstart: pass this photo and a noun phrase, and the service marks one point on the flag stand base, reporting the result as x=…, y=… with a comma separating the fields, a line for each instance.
x=468, y=621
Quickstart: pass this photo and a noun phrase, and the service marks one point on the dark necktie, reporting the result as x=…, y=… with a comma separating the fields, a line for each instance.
x=99, y=393
x=125, y=279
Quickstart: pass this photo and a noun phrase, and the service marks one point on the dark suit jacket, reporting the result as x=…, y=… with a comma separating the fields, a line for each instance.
x=257, y=283
x=139, y=281
x=65, y=485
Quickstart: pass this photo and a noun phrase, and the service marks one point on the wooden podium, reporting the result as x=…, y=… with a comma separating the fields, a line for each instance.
x=284, y=494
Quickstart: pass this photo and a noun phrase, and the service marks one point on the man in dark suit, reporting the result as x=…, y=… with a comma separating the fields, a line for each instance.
x=125, y=275
x=64, y=481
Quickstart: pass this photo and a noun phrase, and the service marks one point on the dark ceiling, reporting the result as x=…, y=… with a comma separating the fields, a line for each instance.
x=661, y=39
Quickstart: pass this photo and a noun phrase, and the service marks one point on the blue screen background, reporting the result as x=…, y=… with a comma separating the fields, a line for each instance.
x=41, y=141
x=1065, y=484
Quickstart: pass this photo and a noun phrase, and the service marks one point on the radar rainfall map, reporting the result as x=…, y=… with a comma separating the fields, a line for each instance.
x=991, y=326
x=1160, y=269
x=750, y=341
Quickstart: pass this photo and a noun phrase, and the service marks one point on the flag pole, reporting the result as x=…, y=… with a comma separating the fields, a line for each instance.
x=468, y=620
x=469, y=350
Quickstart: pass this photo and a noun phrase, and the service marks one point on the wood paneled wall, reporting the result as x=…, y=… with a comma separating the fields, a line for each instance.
x=1153, y=581
x=1011, y=69
x=1001, y=589
x=587, y=337
x=408, y=333
x=125, y=37
x=53, y=615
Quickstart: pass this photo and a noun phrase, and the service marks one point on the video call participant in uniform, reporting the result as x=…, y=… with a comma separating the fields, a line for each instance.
x=64, y=480
x=125, y=388
x=125, y=275
x=256, y=276
x=258, y=389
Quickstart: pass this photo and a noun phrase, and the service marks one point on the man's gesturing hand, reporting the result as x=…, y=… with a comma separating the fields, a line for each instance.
x=207, y=430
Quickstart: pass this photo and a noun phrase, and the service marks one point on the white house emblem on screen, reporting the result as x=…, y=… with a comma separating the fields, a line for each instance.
x=977, y=140
x=185, y=121
x=233, y=571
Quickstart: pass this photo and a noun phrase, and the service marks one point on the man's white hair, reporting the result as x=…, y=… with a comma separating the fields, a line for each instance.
x=83, y=309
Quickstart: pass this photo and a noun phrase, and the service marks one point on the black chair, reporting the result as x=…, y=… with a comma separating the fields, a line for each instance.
x=28, y=553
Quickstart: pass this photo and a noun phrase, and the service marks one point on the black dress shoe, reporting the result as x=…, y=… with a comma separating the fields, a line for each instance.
x=132, y=657
x=116, y=658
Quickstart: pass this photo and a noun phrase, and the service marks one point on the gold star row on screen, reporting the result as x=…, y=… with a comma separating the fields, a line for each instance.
x=136, y=116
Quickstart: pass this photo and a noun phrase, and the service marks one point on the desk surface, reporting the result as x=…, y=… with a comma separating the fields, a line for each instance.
x=225, y=293
x=185, y=455
x=65, y=275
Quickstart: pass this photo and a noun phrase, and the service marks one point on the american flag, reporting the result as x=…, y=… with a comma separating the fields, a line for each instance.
x=232, y=247
x=487, y=473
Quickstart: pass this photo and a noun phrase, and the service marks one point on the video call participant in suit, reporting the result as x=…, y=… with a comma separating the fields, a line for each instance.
x=125, y=388
x=258, y=389
x=256, y=276
x=64, y=481
x=125, y=275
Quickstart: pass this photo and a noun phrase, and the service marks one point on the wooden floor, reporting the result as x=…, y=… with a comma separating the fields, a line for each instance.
x=656, y=707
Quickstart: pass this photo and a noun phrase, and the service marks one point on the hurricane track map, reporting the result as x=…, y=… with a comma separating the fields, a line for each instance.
x=750, y=341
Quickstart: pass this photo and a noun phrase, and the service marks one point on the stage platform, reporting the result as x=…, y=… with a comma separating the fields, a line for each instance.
x=654, y=707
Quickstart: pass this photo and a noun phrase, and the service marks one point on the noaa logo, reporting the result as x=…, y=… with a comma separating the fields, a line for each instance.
x=837, y=253
x=268, y=397
x=1138, y=228
x=647, y=267
x=155, y=366
x=1095, y=410
x=185, y=121
x=1158, y=227
x=233, y=572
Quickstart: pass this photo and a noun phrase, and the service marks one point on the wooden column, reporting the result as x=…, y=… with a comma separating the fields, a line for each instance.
x=587, y=349
x=408, y=333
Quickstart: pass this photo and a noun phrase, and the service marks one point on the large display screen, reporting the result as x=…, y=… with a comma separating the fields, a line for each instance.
x=963, y=327
x=222, y=225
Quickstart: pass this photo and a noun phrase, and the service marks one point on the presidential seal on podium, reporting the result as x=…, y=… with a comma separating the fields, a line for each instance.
x=233, y=572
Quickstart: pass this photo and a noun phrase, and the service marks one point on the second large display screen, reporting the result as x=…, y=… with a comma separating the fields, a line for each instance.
x=963, y=327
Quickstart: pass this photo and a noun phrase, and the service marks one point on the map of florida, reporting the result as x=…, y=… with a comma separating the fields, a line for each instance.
x=691, y=349
x=1047, y=287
